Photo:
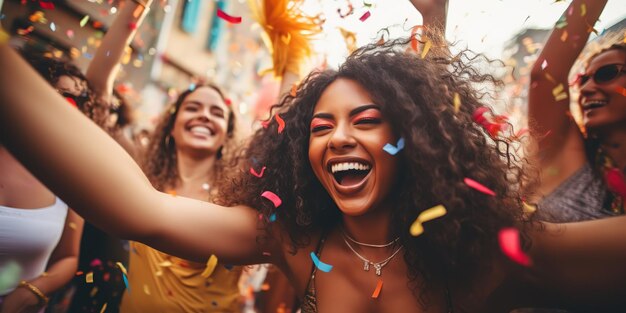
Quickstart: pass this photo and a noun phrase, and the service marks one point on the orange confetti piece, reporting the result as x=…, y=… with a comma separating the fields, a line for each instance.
x=4, y=37
x=146, y=289
x=564, y=35
x=265, y=287
x=93, y=291
x=379, y=287
x=72, y=225
x=210, y=266
x=583, y=9
x=89, y=278
x=138, y=10
x=294, y=89
x=621, y=90
x=104, y=307
x=281, y=123
x=171, y=192
x=430, y=214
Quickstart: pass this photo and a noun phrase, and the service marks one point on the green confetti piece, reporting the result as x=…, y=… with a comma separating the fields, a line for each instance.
x=10, y=275
x=84, y=21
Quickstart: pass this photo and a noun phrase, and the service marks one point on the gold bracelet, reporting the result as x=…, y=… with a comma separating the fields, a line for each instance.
x=43, y=299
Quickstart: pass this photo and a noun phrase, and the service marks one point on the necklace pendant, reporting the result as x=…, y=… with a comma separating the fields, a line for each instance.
x=378, y=268
x=366, y=266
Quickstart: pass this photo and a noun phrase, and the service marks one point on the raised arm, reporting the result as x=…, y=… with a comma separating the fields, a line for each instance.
x=61, y=269
x=81, y=164
x=434, y=12
x=548, y=106
x=105, y=65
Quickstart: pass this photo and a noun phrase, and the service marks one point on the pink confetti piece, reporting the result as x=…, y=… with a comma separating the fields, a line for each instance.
x=69, y=33
x=231, y=19
x=478, y=186
x=510, y=245
x=46, y=5
x=281, y=123
x=365, y=16
x=95, y=263
x=272, y=197
x=259, y=175
x=615, y=181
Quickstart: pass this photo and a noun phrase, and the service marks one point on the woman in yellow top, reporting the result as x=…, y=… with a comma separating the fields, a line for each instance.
x=185, y=158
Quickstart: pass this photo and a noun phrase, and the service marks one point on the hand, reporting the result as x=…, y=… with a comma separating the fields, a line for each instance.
x=20, y=300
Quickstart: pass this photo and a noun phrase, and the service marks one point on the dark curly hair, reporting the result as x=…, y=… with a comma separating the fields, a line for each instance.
x=441, y=149
x=160, y=163
x=51, y=69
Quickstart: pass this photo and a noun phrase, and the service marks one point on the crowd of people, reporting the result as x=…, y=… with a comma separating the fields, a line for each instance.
x=386, y=185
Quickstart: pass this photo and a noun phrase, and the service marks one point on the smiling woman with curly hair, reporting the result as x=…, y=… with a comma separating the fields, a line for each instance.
x=333, y=188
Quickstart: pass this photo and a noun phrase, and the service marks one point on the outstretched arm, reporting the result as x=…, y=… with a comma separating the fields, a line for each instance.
x=434, y=13
x=548, y=107
x=105, y=65
x=582, y=263
x=85, y=167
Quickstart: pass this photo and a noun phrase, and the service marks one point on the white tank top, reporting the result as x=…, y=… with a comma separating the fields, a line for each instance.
x=27, y=239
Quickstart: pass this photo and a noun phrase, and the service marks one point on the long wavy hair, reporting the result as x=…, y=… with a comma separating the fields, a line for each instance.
x=442, y=147
x=160, y=163
x=52, y=69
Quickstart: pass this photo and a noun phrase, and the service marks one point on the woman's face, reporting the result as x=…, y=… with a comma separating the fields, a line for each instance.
x=348, y=133
x=603, y=104
x=202, y=122
x=73, y=89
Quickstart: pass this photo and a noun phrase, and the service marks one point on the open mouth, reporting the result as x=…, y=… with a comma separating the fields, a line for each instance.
x=201, y=130
x=593, y=105
x=350, y=173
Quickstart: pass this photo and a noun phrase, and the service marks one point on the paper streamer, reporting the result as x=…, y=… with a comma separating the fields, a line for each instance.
x=379, y=287
x=427, y=46
x=435, y=212
x=210, y=266
x=281, y=123
x=510, y=246
x=457, y=102
x=125, y=273
x=478, y=186
x=259, y=175
x=319, y=264
x=231, y=19
x=393, y=150
x=272, y=197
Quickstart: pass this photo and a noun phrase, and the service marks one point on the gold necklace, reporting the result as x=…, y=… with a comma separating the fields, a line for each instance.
x=378, y=266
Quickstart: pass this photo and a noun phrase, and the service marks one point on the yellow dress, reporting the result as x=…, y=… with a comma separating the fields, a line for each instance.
x=163, y=283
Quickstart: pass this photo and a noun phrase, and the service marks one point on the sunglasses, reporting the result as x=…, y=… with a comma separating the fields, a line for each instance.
x=76, y=100
x=603, y=74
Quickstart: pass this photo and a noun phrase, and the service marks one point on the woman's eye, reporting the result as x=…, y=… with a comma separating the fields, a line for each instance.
x=368, y=120
x=319, y=128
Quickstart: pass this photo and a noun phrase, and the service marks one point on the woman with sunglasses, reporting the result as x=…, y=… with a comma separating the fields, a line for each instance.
x=582, y=174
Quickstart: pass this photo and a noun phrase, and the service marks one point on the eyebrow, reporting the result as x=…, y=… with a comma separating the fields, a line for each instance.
x=211, y=106
x=354, y=111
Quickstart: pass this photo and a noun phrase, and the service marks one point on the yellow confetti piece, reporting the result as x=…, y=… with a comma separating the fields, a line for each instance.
x=89, y=277
x=564, y=35
x=146, y=289
x=426, y=48
x=4, y=37
x=122, y=268
x=165, y=264
x=430, y=214
x=72, y=225
x=457, y=102
x=210, y=266
x=583, y=9
x=158, y=273
x=93, y=292
x=104, y=307
x=528, y=209
x=559, y=93
x=84, y=21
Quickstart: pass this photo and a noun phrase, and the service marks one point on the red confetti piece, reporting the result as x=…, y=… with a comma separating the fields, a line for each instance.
x=265, y=124
x=132, y=25
x=478, y=186
x=95, y=262
x=510, y=246
x=281, y=123
x=615, y=181
x=46, y=5
x=272, y=197
x=621, y=90
x=72, y=102
x=379, y=287
x=259, y=175
x=231, y=19
x=365, y=16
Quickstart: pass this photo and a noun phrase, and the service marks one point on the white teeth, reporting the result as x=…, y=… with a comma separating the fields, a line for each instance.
x=200, y=130
x=345, y=166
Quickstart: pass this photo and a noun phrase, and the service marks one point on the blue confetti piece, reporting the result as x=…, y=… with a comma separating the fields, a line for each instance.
x=319, y=264
x=192, y=87
x=88, y=56
x=391, y=149
x=273, y=217
x=126, y=282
